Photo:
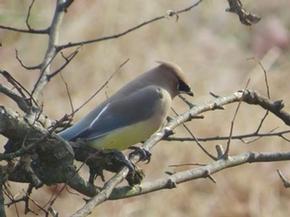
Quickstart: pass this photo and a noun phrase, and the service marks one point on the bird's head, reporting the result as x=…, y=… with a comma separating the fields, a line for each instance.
x=176, y=78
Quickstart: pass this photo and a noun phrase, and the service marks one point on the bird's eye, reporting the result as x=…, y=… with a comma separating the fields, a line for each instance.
x=183, y=87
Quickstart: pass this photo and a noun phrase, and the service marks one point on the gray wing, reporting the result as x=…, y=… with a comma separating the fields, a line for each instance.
x=126, y=111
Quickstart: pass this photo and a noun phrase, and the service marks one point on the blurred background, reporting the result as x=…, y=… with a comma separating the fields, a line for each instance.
x=217, y=52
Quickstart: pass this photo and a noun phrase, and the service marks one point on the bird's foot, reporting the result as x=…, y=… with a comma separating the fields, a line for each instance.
x=122, y=159
x=145, y=154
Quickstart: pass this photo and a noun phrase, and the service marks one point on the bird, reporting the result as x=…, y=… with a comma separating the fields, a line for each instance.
x=133, y=113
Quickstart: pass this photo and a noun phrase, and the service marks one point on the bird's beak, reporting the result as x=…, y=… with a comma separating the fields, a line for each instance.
x=190, y=93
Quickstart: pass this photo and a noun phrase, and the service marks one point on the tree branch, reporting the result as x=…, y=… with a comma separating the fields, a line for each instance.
x=246, y=18
x=196, y=173
x=61, y=7
x=30, y=31
x=174, y=13
x=218, y=138
x=247, y=96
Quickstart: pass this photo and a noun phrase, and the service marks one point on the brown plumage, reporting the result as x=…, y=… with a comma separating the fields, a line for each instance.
x=134, y=112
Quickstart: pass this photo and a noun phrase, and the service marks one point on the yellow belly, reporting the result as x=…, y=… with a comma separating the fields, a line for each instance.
x=123, y=138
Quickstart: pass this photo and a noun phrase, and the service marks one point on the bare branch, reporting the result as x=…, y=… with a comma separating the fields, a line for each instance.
x=195, y=139
x=28, y=15
x=20, y=101
x=31, y=31
x=2, y=207
x=286, y=183
x=190, y=105
x=262, y=121
x=18, y=86
x=196, y=173
x=274, y=107
x=149, y=144
x=233, y=122
x=236, y=137
x=100, y=88
x=67, y=61
x=246, y=17
x=51, y=52
x=23, y=65
x=68, y=93
x=176, y=13
x=247, y=96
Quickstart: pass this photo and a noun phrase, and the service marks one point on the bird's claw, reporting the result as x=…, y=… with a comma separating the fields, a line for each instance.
x=121, y=158
x=135, y=174
x=145, y=155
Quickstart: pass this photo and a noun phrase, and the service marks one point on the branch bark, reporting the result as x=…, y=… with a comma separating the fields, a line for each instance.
x=200, y=172
x=51, y=52
x=248, y=96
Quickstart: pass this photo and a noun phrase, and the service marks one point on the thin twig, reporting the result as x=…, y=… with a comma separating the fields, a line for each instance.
x=195, y=139
x=30, y=31
x=226, y=154
x=236, y=137
x=186, y=164
x=100, y=88
x=70, y=44
x=19, y=87
x=286, y=183
x=196, y=173
x=23, y=65
x=190, y=105
x=246, y=18
x=51, y=52
x=67, y=92
x=67, y=61
x=262, y=121
x=28, y=15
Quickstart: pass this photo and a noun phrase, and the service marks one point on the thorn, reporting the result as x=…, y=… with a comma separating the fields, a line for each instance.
x=217, y=107
x=208, y=175
x=169, y=173
x=211, y=178
x=214, y=95
x=168, y=118
x=171, y=184
x=220, y=151
x=168, y=132
x=286, y=183
x=279, y=104
x=190, y=105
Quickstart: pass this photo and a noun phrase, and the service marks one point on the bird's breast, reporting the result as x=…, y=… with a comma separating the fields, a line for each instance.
x=125, y=137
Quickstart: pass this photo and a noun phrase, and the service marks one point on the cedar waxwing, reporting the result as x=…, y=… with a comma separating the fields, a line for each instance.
x=132, y=114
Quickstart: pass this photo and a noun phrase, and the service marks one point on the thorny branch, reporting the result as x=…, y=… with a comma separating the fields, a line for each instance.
x=247, y=96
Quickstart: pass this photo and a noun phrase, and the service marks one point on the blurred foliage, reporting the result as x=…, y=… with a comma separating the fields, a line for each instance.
x=212, y=47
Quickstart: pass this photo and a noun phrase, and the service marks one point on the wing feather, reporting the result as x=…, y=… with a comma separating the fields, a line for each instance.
x=124, y=112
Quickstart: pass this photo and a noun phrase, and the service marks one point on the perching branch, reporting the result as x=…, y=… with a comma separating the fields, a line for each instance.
x=200, y=172
x=247, y=96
